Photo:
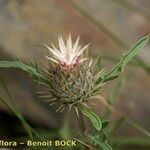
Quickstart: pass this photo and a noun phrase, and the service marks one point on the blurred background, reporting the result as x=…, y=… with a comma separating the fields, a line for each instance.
x=111, y=25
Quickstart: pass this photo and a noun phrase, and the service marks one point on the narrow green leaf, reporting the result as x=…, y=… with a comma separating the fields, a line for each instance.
x=105, y=146
x=13, y=108
x=134, y=50
x=93, y=117
x=124, y=60
x=98, y=63
x=33, y=71
x=102, y=145
x=138, y=62
x=114, y=76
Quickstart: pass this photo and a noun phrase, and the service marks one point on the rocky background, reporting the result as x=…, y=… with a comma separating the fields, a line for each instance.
x=111, y=25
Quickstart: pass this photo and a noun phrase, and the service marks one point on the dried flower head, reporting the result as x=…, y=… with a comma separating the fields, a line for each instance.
x=71, y=77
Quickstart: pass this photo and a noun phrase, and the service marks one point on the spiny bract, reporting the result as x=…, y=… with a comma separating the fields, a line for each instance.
x=71, y=78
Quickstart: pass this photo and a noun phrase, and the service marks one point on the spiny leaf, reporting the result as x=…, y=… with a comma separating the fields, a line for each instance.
x=33, y=71
x=124, y=60
x=134, y=50
x=93, y=117
x=101, y=144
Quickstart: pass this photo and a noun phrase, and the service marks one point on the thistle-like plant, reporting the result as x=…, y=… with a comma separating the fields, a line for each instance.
x=72, y=78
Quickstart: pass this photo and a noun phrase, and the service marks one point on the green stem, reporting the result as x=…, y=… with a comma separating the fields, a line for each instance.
x=82, y=126
x=138, y=62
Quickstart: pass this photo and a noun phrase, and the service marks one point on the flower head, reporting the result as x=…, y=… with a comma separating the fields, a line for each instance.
x=74, y=86
x=68, y=53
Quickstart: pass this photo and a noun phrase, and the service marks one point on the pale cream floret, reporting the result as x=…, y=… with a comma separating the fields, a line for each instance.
x=68, y=52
